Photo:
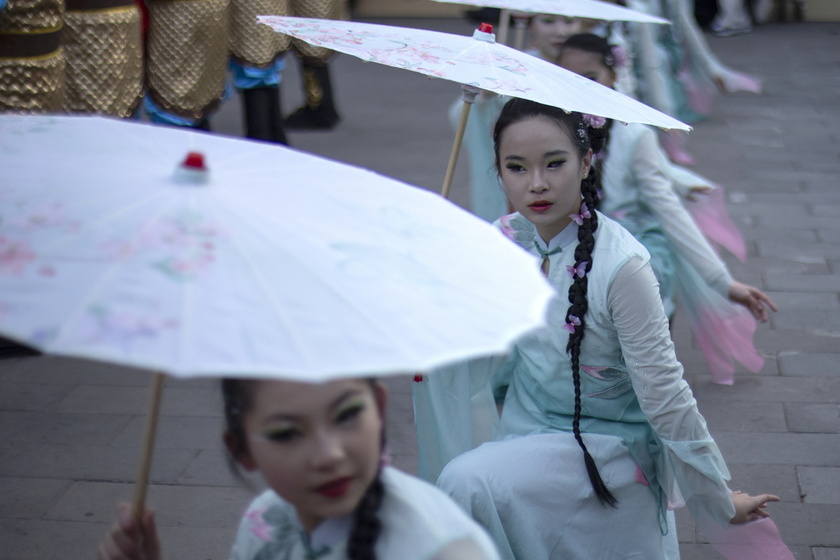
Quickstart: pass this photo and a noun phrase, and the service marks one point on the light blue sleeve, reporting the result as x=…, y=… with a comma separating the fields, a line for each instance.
x=691, y=468
x=454, y=411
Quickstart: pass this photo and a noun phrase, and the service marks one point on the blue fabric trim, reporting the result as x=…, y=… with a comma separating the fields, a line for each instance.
x=160, y=116
x=250, y=77
x=2, y=4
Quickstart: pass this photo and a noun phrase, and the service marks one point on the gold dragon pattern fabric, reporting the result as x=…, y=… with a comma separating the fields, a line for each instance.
x=104, y=53
x=187, y=48
x=31, y=59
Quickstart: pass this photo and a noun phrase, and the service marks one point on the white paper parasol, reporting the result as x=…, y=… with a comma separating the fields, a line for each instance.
x=477, y=62
x=274, y=263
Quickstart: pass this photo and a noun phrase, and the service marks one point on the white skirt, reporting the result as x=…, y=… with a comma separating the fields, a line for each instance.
x=533, y=495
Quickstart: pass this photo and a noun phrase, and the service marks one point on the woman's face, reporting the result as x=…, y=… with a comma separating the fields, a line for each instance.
x=541, y=171
x=317, y=446
x=549, y=32
x=587, y=64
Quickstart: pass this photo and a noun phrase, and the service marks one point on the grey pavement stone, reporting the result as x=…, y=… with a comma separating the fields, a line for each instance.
x=808, y=524
x=88, y=462
x=34, y=539
x=805, y=300
x=806, y=321
x=59, y=428
x=135, y=400
x=813, y=418
x=826, y=553
x=176, y=506
x=67, y=371
x=208, y=467
x=810, y=364
x=754, y=479
x=777, y=234
x=808, y=249
x=752, y=389
x=802, y=282
x=820, y=485
x=780, y=448
x=175, y=432
x=29, y=498
x=788, y=340
x=30, y=396
x=778, y=264
x=747, y=419
x=826, y=210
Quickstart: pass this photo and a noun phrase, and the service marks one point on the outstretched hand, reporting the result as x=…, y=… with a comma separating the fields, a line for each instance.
x=128, y=539
x=753, y=299
x=750, y=508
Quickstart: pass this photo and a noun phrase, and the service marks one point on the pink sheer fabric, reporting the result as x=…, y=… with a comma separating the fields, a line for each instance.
x=757, y=540
x=710, y=214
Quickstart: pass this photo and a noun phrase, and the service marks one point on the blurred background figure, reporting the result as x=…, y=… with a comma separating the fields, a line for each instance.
x=732, y=18
x=256, y=63
x=31, y=58
x=319, y=111
x=103, y=47
x=186, y=61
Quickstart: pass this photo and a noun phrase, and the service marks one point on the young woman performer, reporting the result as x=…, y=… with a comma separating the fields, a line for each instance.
x=319, y=450
x=598, y=430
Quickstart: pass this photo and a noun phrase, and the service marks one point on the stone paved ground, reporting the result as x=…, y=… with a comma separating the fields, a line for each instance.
x=70, y=430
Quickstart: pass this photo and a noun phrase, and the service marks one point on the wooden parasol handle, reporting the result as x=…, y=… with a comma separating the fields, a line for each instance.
x=520, y=24
x=504, y=27
x=145, y=465
x=469, y=95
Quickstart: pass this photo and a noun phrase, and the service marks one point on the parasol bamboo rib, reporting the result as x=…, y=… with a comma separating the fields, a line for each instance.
x=145, y=464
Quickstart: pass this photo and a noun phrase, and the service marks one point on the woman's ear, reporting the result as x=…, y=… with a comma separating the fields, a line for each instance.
x=239, y=451
x=586, y=163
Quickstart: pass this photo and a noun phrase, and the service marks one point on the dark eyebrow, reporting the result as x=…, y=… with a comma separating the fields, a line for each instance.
x=333, y=405
x=547, y=154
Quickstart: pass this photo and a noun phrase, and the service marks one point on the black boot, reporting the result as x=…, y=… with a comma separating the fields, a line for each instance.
x=319, y=112
x=263, y=119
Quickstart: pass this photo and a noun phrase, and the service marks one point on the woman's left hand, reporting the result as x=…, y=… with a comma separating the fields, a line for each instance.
x=750, y=508
x=753, y=299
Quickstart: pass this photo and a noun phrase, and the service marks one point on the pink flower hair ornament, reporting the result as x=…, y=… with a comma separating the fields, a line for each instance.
x=579, y=270
x=593, y=121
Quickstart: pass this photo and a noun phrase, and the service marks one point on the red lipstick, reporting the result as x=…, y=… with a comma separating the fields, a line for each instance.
x=335, y=488
x=540, y=205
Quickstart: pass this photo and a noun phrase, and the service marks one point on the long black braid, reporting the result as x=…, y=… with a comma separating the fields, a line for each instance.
x=585, y=138
x=237, y=396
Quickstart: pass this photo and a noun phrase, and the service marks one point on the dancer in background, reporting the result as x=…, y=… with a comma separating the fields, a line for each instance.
x=103, y=45
x=31, y=58
x=546, y=35
x=676, y=70
x=186, y=61
x=638, y=192
x=319, y=111
x=257, y=63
